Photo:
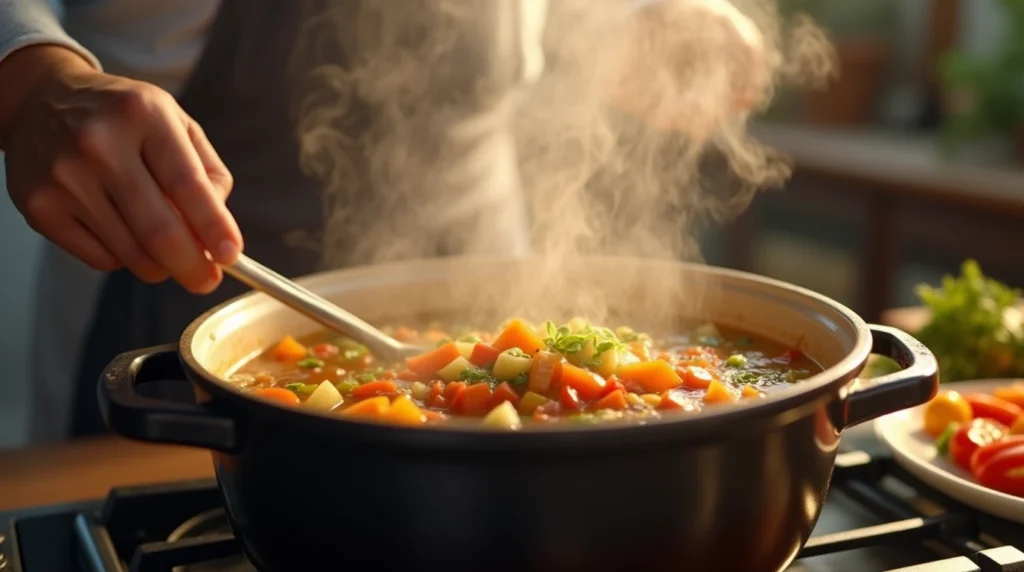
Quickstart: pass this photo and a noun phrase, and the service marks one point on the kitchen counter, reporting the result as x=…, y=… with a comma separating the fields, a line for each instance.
x=87, y=469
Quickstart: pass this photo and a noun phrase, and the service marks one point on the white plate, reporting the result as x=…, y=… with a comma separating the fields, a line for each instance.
x=915, y=451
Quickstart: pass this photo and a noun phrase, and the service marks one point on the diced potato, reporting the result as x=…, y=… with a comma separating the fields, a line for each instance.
x=465, y=348
x=324, y=398
x=503, y=416
x=530, y=402
x=453, y=370
x=508, y=366
x=419, y=390
x=609, y=361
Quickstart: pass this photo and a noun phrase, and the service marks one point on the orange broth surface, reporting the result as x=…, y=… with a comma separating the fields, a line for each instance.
x=525, y=374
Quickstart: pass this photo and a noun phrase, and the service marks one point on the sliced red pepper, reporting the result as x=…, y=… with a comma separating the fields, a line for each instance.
x=569, y=398
x=983, y=454
x=972, y=436
x=483, y=355
x=473, y=400
x=1004, y=472
x=991, y=407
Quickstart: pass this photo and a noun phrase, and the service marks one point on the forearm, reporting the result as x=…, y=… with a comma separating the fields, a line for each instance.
x=32, y=46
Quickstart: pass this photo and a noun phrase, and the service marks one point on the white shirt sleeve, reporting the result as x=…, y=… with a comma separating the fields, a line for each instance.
x=34, y=22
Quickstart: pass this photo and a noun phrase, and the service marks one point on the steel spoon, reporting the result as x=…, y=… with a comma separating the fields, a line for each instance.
x=259, y=277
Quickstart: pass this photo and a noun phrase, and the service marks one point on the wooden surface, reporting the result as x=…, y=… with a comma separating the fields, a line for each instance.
x=87, y=469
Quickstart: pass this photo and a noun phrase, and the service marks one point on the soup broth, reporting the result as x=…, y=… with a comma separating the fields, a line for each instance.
x=525, y=374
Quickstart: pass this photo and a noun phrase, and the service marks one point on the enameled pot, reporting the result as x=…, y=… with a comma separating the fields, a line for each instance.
x=733, y=488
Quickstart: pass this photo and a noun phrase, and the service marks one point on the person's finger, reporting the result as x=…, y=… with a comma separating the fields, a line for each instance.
x=149, y=214
x=174, y=163
x=51, y=215
x=216, y=170
x=95, y=209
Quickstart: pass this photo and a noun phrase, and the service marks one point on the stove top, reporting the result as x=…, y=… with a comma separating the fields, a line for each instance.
x=876, y=518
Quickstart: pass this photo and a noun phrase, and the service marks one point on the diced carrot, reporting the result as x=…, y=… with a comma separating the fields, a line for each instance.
x=504, y=392
x=404, y=334
x=473, y=400
x=588, y=385
x=545, y=373
x=289, y=349
x=432, y=362
x=718, y=393
x=452, y=389
x=614, y=400
x=404, y=412
x=693, y=352
x=750, y=391
x=278, y=394
x=1011, y=393
x=379, y=387
x=483, y=355
x=518, y=335
x=695, y=377
x=678, y=401
x=372, y=408
x=410, y=375
x=569, y=398
x=654, y=376
x=640, y=350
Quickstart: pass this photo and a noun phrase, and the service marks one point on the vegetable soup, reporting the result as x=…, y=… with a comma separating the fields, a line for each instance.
x=524, y=374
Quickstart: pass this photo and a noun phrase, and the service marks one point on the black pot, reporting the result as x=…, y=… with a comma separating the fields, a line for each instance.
x=734, y=488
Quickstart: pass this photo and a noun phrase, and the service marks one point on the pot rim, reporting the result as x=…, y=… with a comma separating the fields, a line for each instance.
x=781, y=407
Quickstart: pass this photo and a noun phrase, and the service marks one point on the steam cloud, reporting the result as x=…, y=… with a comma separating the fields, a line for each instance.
x=408, y=107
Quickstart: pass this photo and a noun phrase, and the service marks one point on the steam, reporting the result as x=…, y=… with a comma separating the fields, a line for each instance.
x=428, y=142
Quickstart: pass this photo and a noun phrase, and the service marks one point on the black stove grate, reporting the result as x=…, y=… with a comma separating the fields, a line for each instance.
x=954, y=537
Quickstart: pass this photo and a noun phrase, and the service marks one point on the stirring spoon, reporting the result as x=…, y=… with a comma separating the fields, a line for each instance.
x=259, y=277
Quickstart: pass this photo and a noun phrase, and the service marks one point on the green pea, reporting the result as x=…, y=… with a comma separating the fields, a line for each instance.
x=347, y=387
x=736, y=360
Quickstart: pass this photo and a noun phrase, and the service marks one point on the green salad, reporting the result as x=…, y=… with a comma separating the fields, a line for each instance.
x=975, y=330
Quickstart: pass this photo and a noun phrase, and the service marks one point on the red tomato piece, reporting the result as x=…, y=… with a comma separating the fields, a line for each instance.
x=1004, y=472
x=971, y=437
x=992, y=407
x=569, y=398
x=452, y=389
x=325, y=350
x=410, y=375
x=695, y=377
x=612, y=383
x=483, y=355
x=983, y=454
x=503, y=393
x=436, y=398
x=473, y=400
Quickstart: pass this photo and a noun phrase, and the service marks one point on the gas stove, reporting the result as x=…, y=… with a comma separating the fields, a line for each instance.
x=877, y=518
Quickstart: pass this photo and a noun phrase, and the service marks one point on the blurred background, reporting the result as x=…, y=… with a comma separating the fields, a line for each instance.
x=911, y=162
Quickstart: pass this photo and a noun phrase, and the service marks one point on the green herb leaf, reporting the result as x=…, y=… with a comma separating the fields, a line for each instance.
x=516, y=352
x=521, y=379
x=475, y=375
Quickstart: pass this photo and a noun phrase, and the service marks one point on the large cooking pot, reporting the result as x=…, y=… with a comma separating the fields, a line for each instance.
x=733, y=488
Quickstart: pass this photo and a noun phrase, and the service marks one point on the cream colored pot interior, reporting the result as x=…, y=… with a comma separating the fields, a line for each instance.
x=646, y=292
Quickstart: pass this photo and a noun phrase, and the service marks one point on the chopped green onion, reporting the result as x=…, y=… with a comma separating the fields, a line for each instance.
x=521, y=379
x=301, y=388
x=475, y=375
x=365, y=377
x=737, y=360
x=310, y=363
x=516, y=352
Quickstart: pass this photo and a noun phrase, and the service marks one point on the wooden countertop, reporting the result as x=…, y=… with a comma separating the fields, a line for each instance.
x=87, y=469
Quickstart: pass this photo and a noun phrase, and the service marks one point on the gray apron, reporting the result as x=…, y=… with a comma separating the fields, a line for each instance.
x=241, y=92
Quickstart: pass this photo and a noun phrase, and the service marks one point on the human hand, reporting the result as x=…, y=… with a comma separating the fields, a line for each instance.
x=692, y=66
x=113, y=170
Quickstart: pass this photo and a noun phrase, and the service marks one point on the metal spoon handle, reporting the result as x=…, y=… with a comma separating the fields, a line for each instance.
x=259, y=277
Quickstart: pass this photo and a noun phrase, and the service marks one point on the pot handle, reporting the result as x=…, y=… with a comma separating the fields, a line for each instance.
x=915, y=384
x=133, y=415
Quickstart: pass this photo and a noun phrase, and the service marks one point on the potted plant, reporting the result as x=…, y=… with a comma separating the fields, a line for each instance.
x=861, y=32
x=985, y=96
